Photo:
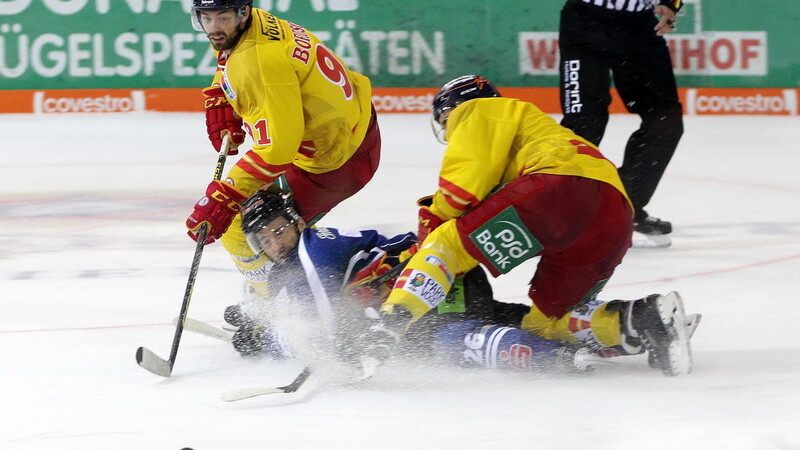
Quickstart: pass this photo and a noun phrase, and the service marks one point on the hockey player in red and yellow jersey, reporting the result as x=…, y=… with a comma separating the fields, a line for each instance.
x=513, y=185
x=310, y=118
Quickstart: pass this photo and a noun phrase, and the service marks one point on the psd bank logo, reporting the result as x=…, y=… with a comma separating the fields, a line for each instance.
x=62, y=102
x=505, y=241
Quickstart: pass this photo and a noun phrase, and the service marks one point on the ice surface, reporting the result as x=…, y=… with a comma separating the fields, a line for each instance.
x=94, y=260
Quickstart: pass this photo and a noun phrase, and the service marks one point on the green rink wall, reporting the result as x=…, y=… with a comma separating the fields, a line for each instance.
x=116, y=44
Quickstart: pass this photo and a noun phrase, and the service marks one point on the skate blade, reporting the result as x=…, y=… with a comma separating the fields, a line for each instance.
x=692, y=321
x=651, y=240
x=680, y=351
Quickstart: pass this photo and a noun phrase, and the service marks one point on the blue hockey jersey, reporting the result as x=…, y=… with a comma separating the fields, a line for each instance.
x=325, y=261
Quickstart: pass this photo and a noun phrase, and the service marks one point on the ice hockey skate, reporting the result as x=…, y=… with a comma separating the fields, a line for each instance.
x=652, y=232
x=660, y=323
x=573, y=359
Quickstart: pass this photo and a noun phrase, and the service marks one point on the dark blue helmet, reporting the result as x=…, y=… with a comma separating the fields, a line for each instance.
x=459, y=90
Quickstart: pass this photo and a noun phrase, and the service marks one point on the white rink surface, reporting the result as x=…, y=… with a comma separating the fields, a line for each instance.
x=94, y=262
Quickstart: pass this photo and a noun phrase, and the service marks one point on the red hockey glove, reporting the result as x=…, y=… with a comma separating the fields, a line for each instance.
x=221, y=119
x=363, y=291
x=221, y=203
x=428, y=221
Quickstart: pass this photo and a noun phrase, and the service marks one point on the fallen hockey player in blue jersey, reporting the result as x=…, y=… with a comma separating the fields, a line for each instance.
x=327, y=278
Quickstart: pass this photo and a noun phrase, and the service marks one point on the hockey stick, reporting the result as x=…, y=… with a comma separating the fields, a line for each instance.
x=145, y=357
x=241, y=394
x=205, y=329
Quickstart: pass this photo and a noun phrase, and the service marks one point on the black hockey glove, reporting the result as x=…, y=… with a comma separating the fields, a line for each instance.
x=376, y=345
x=252, y=339
x=234, y=316
x=385, y=333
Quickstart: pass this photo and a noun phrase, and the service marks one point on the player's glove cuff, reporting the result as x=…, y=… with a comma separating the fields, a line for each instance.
x=428, y=221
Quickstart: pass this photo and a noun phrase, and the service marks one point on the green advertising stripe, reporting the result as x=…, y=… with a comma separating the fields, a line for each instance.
x=146, y=44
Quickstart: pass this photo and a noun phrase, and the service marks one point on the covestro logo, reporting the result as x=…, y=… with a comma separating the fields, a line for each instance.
x=735, y=101
x=81, y=103
x=403, y=100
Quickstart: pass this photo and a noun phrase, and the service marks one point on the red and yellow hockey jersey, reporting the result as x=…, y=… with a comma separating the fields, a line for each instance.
x=492, y=141
x=300, y=104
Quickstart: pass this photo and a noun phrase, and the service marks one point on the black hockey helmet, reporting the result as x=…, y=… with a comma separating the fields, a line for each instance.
x=265, y=206
x=261, y=209
x=219, y=5
x=459, y=90
x=216, y=5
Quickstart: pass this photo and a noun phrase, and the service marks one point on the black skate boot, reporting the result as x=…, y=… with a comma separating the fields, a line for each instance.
x=661, y=324
x=651, y=232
